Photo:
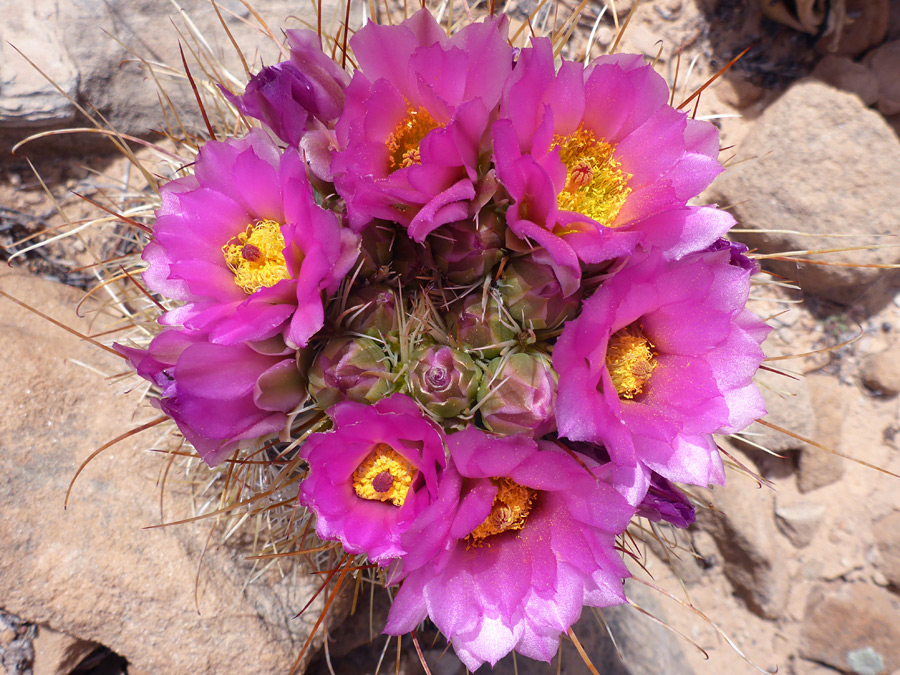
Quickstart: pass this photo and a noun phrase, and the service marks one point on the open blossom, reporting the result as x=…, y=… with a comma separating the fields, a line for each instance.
x=521, y=536
x=594, y=157
x=244, y=246
x=661, y=357
x=372, y=474
x=416, y=121
x=220, y=395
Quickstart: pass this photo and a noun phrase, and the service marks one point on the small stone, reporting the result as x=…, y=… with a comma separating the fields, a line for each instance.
x=868, y=27
x=7, y=636
x=885, y=64
x=880, y=372
x=887, y=538
x=853, y=628
x=847, y=75
x=738, y=93
x=799, y=522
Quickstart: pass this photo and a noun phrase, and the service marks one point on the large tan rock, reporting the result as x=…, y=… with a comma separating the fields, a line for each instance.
x=817, y=467
x=820, y=163
x=854, y=629
x=92, y=571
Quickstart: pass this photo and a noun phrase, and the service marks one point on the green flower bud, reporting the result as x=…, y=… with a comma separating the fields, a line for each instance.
x=349, y=369
x=518, y=395
x=443, y=379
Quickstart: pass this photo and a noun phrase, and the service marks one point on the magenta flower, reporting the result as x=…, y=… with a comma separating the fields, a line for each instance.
x=220, y=395
x=522, y=535
x=372, y=475
x=662, y=357
x=416, y=120
x=243, y=245
x=290, y=95
x=592, y=157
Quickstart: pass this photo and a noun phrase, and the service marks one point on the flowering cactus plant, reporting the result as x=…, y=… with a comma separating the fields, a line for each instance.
x=466, y=283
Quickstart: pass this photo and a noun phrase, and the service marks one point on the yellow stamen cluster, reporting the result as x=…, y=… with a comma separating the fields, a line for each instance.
x=595, y=185
x=384, y=475
x=403, y=142
x=510, y=510
x=630, y=360
x=256, y=256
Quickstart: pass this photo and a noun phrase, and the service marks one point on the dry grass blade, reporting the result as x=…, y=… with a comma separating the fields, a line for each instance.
x=119, y=216
x=187, y=71
x=415, y=641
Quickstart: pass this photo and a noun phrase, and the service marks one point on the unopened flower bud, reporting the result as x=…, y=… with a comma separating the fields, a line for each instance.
x=468, y=250
x=349, y=369
x=375, y=250
x=533, y=295
x=480, y=326
x=443, y=379
x=372, y=310
x=519, y=395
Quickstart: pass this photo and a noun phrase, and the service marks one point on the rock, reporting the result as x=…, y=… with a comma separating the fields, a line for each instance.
x=27, y=98
x=741, y=523
x=853, y=628
x=885, y=64
x=57, y=653
x=799, y=522
x=887, y=537
x=817, y=467
x=84, y=47
x=866, y=26
x=847, y=75
x=91, y=571
x=789, y=406
x=737, y=92
x=838, y=168
x=880, y=372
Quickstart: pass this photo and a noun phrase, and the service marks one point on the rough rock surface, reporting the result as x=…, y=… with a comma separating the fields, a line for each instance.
x=91, y=571
x=747, y=541
x=57, y=653
x=837, y=165
x=67, y=41
x=853, y=629
x=816, y=467
x=887, y=536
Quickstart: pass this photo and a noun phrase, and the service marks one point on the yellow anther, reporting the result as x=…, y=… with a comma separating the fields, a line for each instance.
x=384, y=475
x=595, y=185
x=630, y=360
x=403, y=143
x=256, y=256
x=510, y=510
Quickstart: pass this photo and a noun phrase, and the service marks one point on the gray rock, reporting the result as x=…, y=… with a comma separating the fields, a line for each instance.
x=837, y=165
x=853, y=628
x=799, y=522
x=92, y=571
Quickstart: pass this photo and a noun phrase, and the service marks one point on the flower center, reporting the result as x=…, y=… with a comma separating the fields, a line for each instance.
x=630, y=360
x=437, y=378
x=510, y=510
x=256, y=256
x=595, y=185
x=384, y=475
x=403, y=142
